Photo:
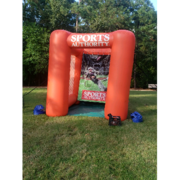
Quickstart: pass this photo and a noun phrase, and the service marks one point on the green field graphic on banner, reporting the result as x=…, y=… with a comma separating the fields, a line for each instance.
x=94, y=78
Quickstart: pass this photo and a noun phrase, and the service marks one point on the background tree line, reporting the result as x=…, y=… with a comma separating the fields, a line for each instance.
x=41, y=17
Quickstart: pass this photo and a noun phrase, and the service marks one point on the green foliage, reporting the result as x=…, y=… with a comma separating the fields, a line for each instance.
x=137, y=16
x=145, y=29
x=61, y=16
x=34, y=52
x=102, y=16
x=40, y=18
x=35, y=49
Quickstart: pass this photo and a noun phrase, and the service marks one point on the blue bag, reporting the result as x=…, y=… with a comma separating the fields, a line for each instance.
x=39, y=109
x=136, y=117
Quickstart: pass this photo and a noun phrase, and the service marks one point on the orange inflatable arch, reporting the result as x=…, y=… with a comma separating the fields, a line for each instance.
x=65, y=58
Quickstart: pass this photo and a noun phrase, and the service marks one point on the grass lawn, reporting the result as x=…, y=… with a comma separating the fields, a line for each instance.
x=74, y=147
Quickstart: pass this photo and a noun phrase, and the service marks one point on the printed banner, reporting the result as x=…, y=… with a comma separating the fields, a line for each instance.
x=90, y=40
x=94, y=78
x=93, y=95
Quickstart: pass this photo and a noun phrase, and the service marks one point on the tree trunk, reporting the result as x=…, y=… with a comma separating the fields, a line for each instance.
x=77, y=19
x=76, y=23
x=39, y=80
x=29, y=80
x=135, y=54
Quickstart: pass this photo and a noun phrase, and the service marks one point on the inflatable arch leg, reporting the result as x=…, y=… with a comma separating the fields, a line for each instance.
x=121, y=64
x=58, y=74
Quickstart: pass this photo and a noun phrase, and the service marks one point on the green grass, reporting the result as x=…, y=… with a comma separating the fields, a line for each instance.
x=86, y=147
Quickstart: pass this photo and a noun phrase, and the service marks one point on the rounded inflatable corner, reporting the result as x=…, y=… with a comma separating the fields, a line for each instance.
x=126, y=34
x=53, y=33
x=60, y=32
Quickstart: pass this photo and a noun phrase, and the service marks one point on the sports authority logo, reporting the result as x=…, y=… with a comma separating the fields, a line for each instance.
x=89, y=40
x=93, y=95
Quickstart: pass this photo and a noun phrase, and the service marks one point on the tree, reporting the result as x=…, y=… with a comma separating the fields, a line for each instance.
x=144, y=25
x=61, y=16
x=35, y=53
x=41, y=17
x=103, y=15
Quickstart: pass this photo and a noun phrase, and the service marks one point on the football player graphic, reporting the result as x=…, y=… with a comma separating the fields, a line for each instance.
x=91, y=73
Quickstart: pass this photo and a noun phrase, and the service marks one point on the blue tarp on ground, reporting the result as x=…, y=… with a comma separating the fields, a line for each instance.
x=90, y=109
